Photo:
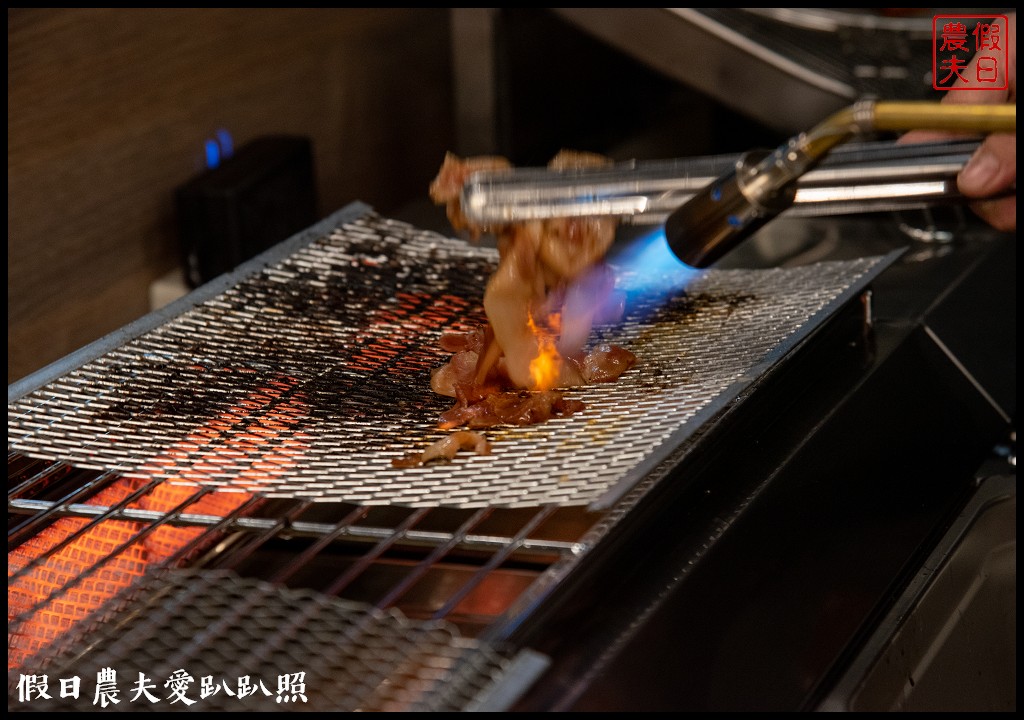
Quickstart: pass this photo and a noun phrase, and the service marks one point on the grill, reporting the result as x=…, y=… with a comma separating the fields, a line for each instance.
x=205, y=500
x=366, y=659
x=310, y=377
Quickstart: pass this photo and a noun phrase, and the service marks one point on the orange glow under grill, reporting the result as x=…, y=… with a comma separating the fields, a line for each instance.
x=82, y=568
x=383, y=344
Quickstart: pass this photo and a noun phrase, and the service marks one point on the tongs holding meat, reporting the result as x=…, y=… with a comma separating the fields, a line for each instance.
x=855, y=178
x=710, y=204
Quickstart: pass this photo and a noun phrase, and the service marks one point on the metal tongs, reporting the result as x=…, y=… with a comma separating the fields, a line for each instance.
x=709, y=205
x=865, y=177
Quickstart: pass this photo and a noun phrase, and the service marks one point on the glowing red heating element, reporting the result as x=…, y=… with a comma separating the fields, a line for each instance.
x=72, y=567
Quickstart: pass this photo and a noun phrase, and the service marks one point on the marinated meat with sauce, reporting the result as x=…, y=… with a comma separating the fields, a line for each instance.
x=550, y=288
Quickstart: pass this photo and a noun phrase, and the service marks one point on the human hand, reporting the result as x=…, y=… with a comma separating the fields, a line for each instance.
x=992, y=170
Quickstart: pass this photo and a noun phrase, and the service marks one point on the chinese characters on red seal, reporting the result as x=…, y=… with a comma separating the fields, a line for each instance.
x=969, y=52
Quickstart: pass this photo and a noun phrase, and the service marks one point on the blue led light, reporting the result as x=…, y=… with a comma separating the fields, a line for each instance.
x=212, y=154
x=227, y=145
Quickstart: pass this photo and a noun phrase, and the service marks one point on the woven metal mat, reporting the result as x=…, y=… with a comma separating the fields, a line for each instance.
x=310, y=373
x=214, y=642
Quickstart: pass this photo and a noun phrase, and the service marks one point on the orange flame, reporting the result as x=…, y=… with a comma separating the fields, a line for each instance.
x=546, y=368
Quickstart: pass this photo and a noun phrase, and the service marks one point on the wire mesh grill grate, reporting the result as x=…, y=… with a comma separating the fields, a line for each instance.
x=296, y=650
x=307, y=378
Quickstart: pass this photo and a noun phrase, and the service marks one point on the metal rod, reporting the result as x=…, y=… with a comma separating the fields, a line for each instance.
x=367, y=559
x=944, y=116
x=41, y=557
x=116, y=552
x=310, y=552
x=297, y=527
x=493, y=562
x=424, y=565
x=30, y=464
x=17, y=534
x=221, y=527
x=250, y=545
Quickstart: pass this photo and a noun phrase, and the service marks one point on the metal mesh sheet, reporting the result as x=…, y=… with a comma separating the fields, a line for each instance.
x=309, y=375
x=237, y=644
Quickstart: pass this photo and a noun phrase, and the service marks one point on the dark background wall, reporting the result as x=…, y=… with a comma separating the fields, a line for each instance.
x=108, y=110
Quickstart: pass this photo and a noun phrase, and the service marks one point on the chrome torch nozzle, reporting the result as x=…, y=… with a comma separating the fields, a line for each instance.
x=733, y=207
x=730, y=209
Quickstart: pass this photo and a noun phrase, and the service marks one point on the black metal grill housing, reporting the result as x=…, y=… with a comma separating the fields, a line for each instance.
x=229, y=458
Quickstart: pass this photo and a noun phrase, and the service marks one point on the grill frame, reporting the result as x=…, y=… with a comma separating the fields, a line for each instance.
x=607, y=513
x=292, y=382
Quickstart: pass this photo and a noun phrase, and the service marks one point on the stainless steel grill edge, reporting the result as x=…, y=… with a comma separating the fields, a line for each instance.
x=143, y=434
